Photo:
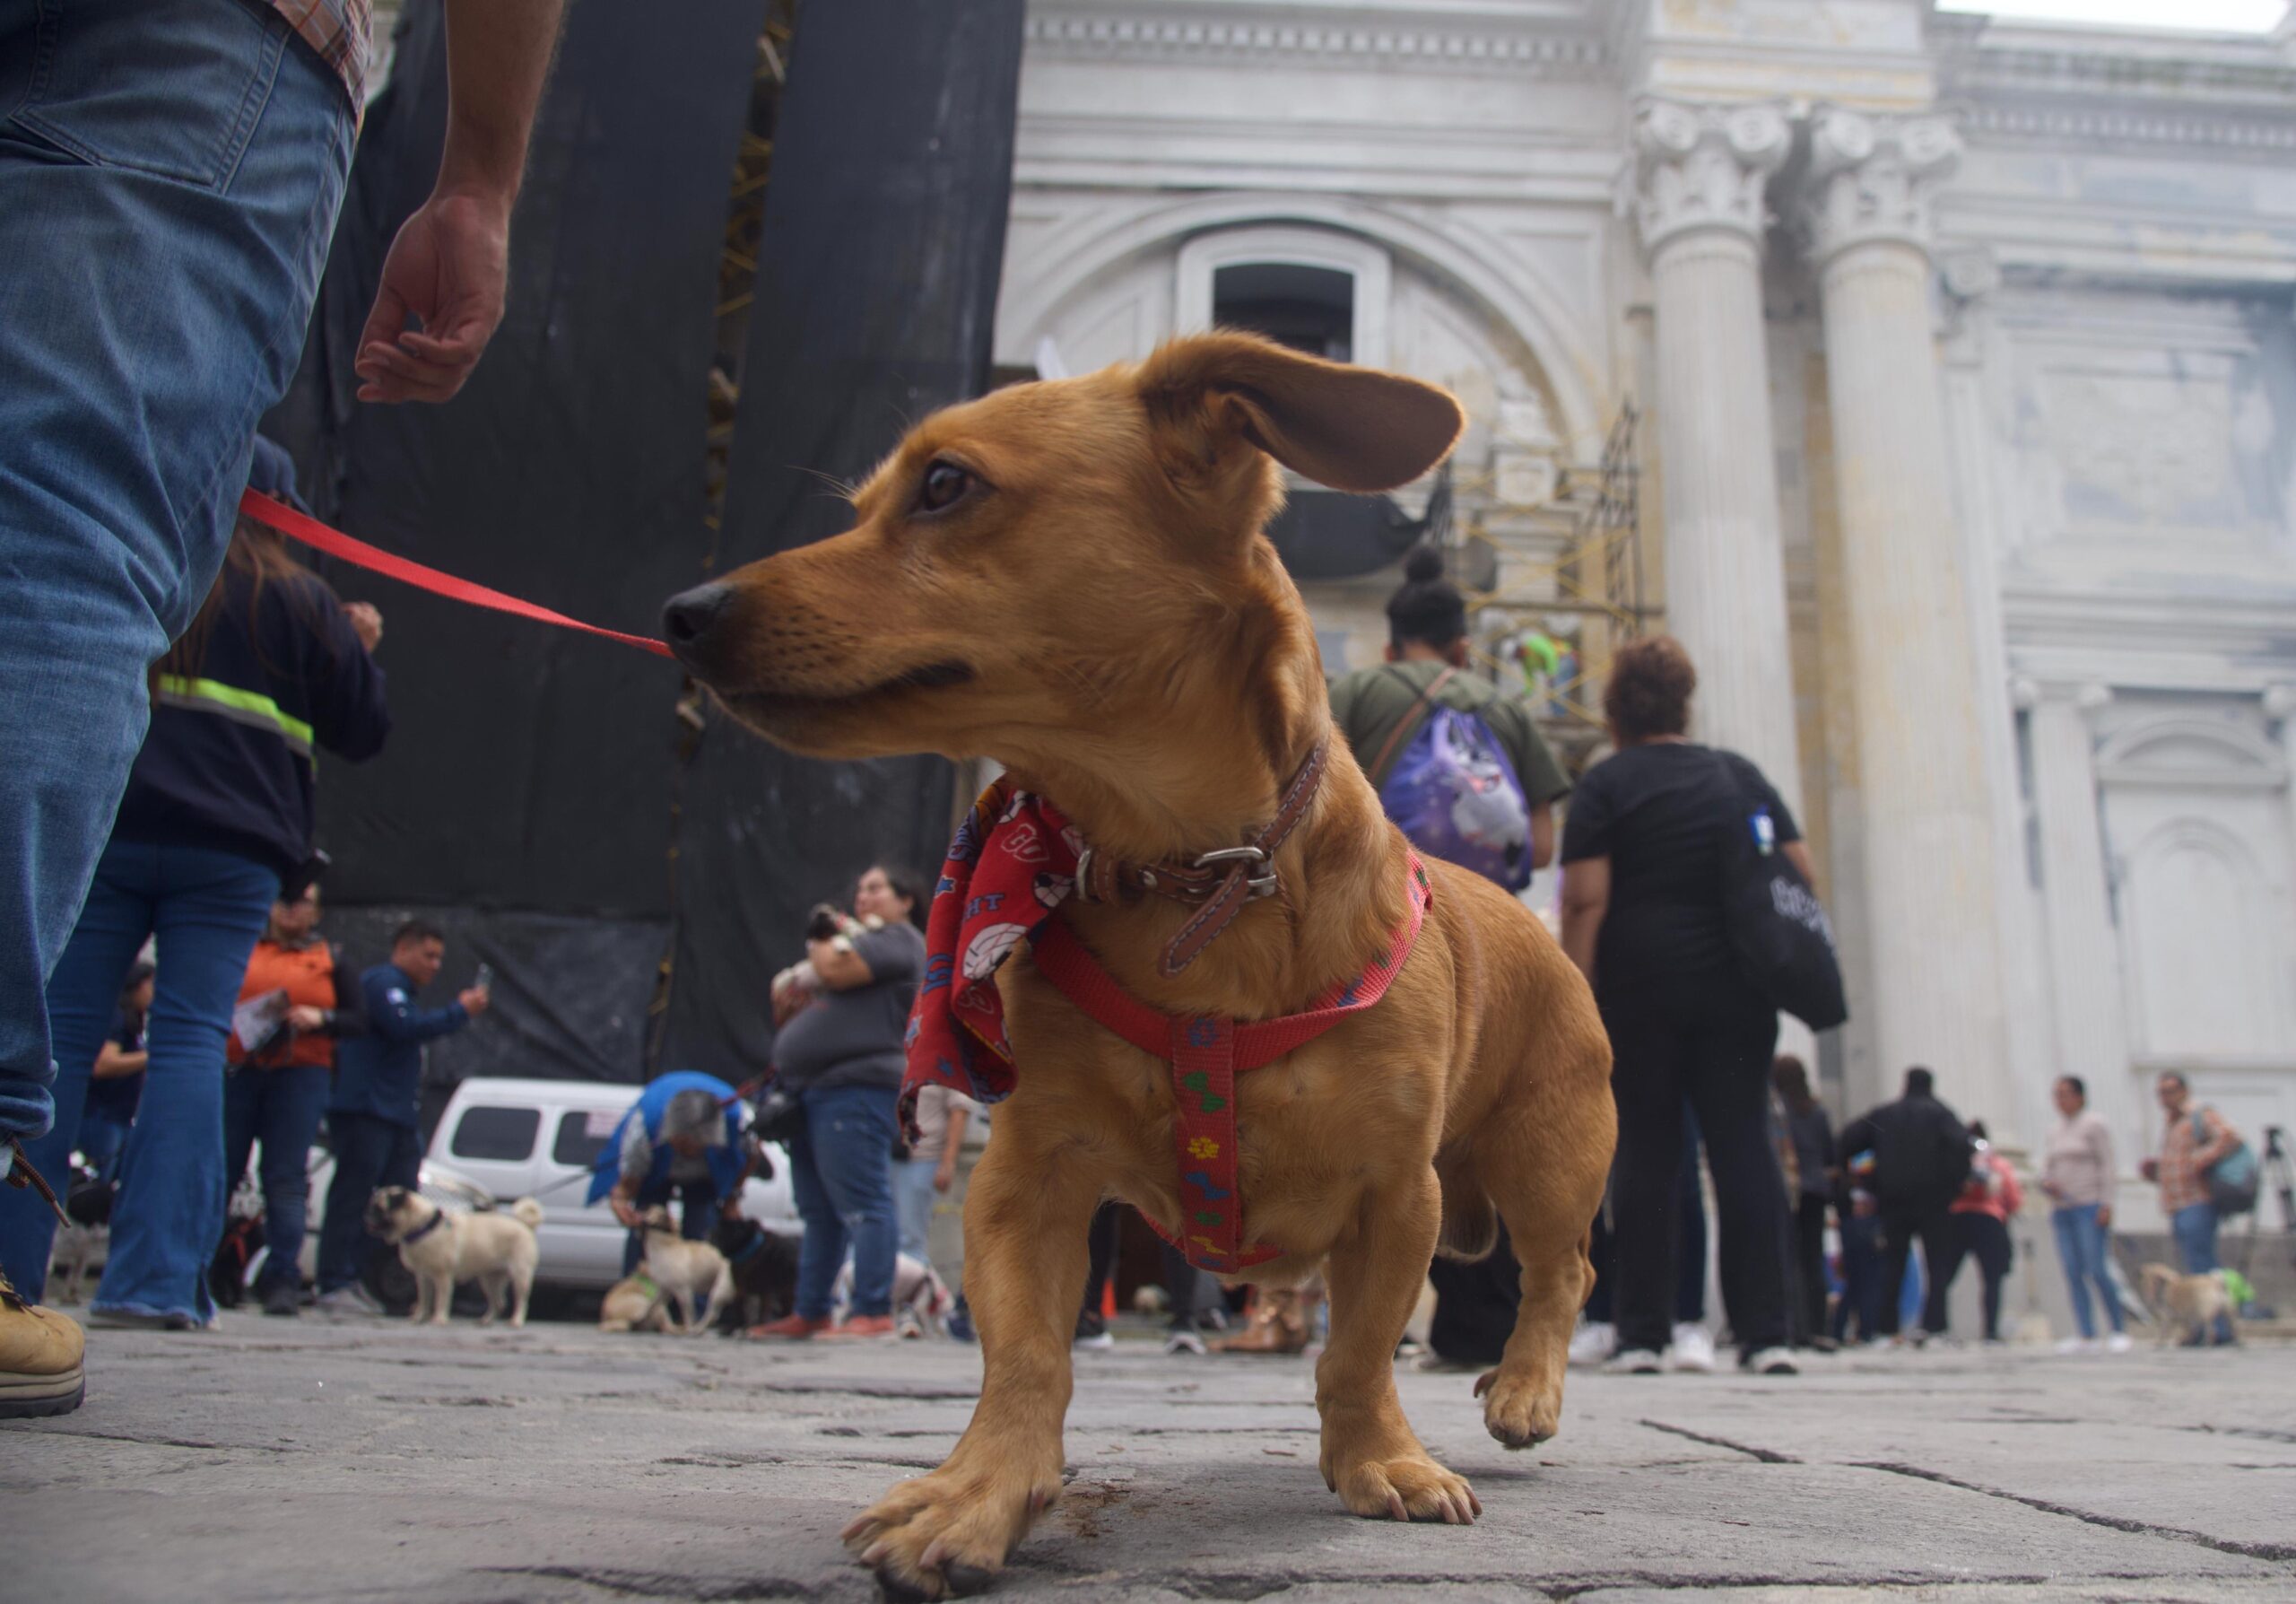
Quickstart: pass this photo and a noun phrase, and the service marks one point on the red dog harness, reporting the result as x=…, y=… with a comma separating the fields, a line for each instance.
x=1013, y=862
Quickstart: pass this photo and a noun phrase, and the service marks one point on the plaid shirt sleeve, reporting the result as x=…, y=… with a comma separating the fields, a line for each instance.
x=342, y=33
x=2184, y=1174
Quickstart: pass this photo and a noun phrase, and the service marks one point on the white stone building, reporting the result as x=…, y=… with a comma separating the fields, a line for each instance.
x=1968, y=370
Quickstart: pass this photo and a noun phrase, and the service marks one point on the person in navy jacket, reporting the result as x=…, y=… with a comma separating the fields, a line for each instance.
x=371, y=1118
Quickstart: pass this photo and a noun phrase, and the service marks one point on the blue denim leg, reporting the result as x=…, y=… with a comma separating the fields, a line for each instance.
x=368, y=1153
x=913, y=1197
x=208, y=909
x=121, y=906
x=2195, y=1228
x=169, y=172
x=99, y=1143
x=852, y=1132
x=2073, y=1250
x=288, y=1124
x=821, y=1254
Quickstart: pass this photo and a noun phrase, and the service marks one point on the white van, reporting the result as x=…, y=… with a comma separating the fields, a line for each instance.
x=537, y=1139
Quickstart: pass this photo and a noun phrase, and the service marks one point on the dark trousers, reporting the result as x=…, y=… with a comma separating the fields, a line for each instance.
x=1861, y=1277
x=1689, y=1247
x=281, y=1109
x=1102, y=1241
x=1810, y=1266
x=1717, y=1056
x=697, y=1202
x=1984, y=1239
x=1900, y=1227
x=1476, y=1304
x=368, y=1153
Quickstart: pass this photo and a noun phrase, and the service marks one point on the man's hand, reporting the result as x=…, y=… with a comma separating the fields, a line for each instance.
x=2104, y=1217
x=304, y=1018
x=2150, y=1169
x=624, y=1209
x=729, y=1208
x=366, y=622
x=945, y=1175
x=447, y=267
x=474, y=1001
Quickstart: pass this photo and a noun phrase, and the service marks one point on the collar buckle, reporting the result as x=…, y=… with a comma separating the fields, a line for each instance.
x=1256, y=886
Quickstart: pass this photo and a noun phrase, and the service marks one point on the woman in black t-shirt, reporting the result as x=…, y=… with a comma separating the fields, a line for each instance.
x=1642, y=917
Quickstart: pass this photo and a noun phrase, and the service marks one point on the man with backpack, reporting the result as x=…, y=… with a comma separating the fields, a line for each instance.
x=1463, y=769
x=1921, y=1157
x=1457, y=764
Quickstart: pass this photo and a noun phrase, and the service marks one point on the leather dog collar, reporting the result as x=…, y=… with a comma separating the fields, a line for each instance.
x=1220, y=881
x=438, y=1218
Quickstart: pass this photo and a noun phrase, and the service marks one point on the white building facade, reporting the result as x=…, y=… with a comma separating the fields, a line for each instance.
x=1967, y=365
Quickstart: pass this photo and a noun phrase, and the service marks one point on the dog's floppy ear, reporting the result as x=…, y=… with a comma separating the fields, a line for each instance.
x=1356, y=428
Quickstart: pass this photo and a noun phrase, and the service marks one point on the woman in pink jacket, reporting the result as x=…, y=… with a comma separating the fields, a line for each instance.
x=1981, y=1223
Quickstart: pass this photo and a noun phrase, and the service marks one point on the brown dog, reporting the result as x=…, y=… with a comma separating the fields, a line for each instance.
x=1071, y=577
x=2184, y=1307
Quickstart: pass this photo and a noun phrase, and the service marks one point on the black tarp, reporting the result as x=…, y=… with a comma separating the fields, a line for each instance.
x=524, y=800
x=877, y=289
x=531, y=796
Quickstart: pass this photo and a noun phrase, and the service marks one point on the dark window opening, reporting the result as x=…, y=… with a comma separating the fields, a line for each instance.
x=581, y=1136
x=497, y=1133
x=1309, y=309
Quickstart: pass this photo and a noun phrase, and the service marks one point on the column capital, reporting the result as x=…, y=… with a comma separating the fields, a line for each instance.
x=2087, y=695
x=1703, y=167
x=1872, y=178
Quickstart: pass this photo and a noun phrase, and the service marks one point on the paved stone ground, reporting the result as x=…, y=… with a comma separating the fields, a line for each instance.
x=373, y=1461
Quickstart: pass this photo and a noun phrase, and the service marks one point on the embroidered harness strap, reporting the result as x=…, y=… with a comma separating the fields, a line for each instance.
x=1206, y=1052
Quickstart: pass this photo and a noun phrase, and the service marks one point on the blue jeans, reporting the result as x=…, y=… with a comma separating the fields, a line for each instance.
x=368, y=1153
x=913, y=1199
x=2082, y=1244
x=281, y=1109
x=1861, y=1277
x=206, y=908
x=169, y=171
x=841, y=1168
x=102, y=1142
x=2195, y=1229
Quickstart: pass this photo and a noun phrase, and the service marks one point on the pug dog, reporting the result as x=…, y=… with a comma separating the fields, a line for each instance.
x=686, y=1272
x=2183, y=1306
x=634, y=1304
x=440, y=1248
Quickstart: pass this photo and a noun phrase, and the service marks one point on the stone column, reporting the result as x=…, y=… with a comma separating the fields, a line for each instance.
x=1927, y=831
x=2084, y=952
x=1698, y=174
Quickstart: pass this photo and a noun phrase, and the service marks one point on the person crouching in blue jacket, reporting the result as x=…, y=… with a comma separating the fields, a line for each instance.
x=683, y=1138
x=371, y=1118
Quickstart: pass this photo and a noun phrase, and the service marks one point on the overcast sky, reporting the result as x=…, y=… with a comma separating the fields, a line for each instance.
x=2243, y=16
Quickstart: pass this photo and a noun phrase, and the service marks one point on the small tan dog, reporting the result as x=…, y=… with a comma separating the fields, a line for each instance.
x=1073, y=578
x=2185, y=1306
x=440, y=1247
x=685, y=1272
x=634, y=1304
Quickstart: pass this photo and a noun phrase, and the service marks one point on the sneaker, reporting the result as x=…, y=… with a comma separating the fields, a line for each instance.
x=2120, y=1342
x=351, y=1299
x=1691, y=1350
x=789, y=1328
x=1634, y=1361
x=2076, y=1344
x=283, y=1297
x=42, y=1369
x=130, y=1320
x=858, y=1326
x=1093, y=1331
x=1770, y=1361
x=1180, y=1340
x=1594, y=1342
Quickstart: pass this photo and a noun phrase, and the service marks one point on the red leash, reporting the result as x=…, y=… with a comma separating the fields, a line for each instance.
x=334, y=543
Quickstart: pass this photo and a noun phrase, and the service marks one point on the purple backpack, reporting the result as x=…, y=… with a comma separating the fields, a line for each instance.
x=1455, y=793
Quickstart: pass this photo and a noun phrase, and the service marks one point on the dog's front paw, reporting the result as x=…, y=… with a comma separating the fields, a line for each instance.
x=1408, y=1487
x=1518, y=1411
x=945, y=1535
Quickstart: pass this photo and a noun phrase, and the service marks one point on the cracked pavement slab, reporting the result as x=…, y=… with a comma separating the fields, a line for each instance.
x=374, y=1461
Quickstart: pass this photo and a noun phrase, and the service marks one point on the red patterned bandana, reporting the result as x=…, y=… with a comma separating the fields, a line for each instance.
x=1013, y=862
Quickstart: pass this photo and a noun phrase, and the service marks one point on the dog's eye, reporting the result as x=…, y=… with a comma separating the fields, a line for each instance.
x=944, y=485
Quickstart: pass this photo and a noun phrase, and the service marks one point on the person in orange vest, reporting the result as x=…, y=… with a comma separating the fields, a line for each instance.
x=277, y=1085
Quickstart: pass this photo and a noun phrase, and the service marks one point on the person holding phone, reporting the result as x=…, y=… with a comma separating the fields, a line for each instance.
x=373, y=1120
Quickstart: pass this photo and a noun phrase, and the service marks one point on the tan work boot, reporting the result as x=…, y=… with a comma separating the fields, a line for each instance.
x=1278, y=1325
x=40, y=1368
x=41, y=1350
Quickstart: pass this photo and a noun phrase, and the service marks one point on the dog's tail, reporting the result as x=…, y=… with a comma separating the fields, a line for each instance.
x=526, y=1212
x=1469, y=1220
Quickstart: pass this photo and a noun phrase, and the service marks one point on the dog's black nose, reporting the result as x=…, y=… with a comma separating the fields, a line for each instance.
x=690, y=618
